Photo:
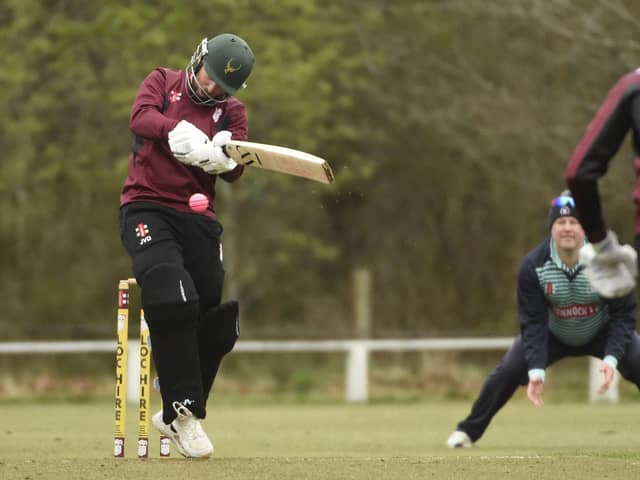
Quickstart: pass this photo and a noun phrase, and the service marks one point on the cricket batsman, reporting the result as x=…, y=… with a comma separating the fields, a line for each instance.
x=181, y=119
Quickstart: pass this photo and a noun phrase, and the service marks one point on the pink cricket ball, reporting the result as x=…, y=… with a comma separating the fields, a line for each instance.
x=198, y=202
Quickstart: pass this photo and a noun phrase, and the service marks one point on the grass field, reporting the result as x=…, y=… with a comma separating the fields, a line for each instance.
x=73, y=440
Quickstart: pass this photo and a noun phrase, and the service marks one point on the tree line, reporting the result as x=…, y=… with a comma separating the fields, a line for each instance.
x=448, y=126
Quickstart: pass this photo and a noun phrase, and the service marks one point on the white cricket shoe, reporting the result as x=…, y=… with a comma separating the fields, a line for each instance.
x=185, y=432
x=459, y=439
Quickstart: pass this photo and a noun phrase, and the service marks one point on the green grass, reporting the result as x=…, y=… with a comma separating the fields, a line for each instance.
x=65, y=440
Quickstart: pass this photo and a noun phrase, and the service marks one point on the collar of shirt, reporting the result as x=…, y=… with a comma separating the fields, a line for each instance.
x=553, y=251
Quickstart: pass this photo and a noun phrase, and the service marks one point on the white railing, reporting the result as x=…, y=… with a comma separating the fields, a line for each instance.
x=357, y=356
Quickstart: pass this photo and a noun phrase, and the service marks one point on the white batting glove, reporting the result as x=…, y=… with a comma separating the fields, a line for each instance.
x=610, y=267
x=185, y=139
x=221, y=138
x=212, y=157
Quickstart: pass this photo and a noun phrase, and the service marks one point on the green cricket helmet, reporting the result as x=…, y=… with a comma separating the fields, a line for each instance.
x=228, y=61
x=226, y=58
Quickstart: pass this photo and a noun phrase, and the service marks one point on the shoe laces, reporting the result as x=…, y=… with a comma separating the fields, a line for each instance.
x=190, y=425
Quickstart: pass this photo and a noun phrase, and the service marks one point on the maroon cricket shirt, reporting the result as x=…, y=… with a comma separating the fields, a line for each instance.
x=155, y=175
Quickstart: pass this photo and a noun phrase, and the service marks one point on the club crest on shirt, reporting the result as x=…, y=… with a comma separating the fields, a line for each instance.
x=216, y=114
x=550, y=288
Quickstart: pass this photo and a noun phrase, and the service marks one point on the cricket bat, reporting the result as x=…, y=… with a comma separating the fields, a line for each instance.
x=280, y=159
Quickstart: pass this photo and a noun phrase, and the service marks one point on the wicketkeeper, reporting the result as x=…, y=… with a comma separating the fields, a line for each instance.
x=611, y=268
x=560, y=316
x=180, y=121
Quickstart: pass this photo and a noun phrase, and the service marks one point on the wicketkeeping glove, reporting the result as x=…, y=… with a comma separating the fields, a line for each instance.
x=610, y=267
x=185, y=139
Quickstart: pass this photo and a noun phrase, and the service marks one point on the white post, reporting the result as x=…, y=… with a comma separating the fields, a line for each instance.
x=357, y=378
x=357, y=374
x=595, y=380
x=133, y=371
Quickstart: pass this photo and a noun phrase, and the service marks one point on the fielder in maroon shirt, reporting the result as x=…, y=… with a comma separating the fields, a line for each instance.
x=181, y=121
x=610, y=267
